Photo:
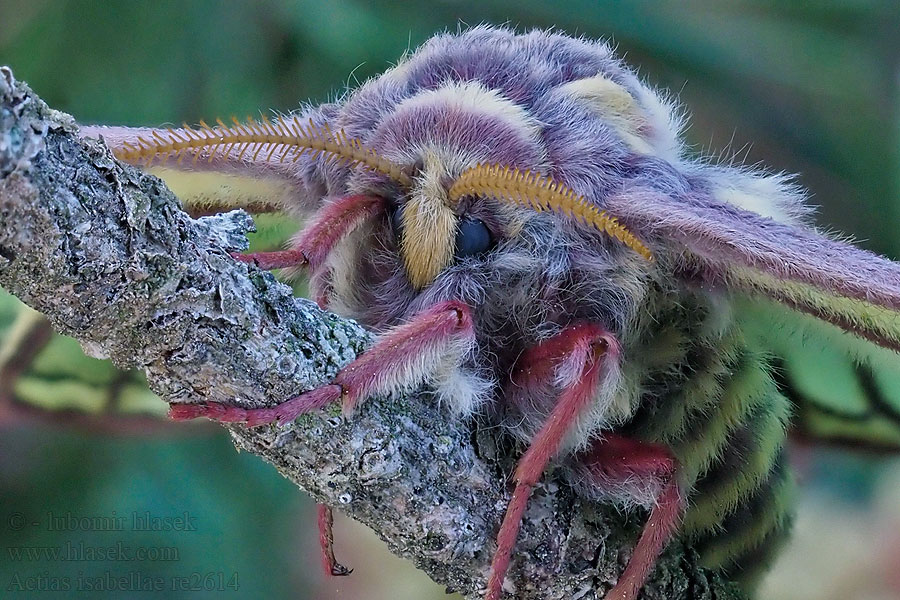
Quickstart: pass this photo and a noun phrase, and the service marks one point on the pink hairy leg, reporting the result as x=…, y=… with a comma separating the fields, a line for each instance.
x=402, y=357
x=618, y=459
x=395, y=360
x=660, y=527
x=585, y=346
x=326, y=542
x=329, y=226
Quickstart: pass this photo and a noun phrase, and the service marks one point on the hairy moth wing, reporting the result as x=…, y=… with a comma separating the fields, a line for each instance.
x=845, y=390
x=210, y=192
x=724, y=245
x=226, y=173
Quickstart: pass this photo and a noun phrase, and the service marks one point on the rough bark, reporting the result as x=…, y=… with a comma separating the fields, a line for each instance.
x=106, y=253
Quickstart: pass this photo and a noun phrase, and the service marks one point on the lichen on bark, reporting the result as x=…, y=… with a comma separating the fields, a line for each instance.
x=106, y=253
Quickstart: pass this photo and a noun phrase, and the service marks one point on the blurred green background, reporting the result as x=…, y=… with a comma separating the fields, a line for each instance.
x=805, y=87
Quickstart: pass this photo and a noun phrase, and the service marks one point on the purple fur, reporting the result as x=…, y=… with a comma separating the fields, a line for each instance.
x=492, y=140
x=726, y=235
x=582, y=149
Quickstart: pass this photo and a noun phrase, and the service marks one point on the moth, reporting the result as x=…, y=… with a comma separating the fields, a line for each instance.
x=519, y=219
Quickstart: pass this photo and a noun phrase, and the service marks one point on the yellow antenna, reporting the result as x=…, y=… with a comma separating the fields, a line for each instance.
x=538, y=192
x=285, y=138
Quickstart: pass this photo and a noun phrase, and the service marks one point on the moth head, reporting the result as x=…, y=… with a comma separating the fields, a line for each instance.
x=479, y=168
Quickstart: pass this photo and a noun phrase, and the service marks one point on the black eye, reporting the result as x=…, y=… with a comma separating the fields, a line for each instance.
x=395, y=213
x=472, y=238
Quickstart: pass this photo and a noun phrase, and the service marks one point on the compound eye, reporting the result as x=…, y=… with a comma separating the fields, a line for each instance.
x=473, y=237
x=396, y=216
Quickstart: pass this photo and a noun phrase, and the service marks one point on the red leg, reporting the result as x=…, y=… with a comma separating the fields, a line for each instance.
x=404, y=357
x=619, y=459
x=663, y=521
x=586, y=345
x=326, y=542
x=316, y=241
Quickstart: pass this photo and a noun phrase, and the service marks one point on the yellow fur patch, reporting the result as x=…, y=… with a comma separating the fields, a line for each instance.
x=429, y=225
x=619, y=108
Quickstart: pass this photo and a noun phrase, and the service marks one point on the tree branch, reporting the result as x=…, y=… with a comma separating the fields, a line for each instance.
x=106, y=253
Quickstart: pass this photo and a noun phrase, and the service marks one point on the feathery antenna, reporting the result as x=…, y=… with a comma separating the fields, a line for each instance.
x=282, y=138
x=538, y=192
x=289, y=139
